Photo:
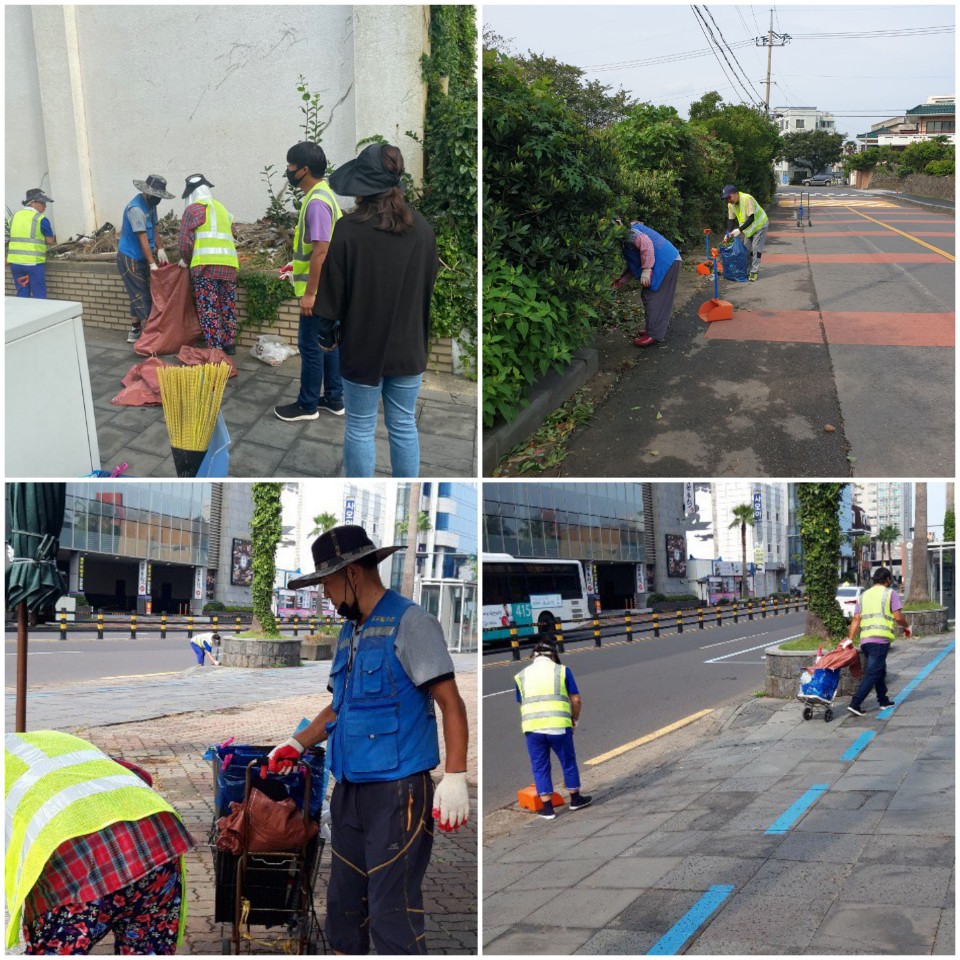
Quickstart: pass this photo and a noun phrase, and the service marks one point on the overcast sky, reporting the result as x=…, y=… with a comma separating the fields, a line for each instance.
x=861, y=80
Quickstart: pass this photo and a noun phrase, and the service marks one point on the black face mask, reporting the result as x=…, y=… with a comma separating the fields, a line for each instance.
x=154, y=201
x=350, y=611
x=291, y=178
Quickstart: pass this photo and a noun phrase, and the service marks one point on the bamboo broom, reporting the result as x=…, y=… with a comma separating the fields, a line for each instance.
x=191, y=398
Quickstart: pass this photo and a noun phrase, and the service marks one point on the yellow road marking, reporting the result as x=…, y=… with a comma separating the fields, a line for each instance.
x=137, y=676
x=662, y=732
x=923, y=243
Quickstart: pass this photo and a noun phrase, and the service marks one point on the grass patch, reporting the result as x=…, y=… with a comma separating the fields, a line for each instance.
x=922, y=605
x=808, y=642
x=250, y=635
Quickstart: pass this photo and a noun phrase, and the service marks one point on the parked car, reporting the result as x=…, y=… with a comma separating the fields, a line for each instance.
x=847, y=597
x=821, y=180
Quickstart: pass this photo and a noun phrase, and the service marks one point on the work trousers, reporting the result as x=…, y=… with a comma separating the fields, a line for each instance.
x=658, y=304
x=382, y=835
x=135, y=275
x=30, y=280
x=319, y=368
x=875, y=674
x=755, y=245
x=539, y=746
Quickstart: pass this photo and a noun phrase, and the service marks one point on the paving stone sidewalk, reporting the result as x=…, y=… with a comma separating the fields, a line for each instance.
x=868, y=869
x=262, y=445
x=169, y=744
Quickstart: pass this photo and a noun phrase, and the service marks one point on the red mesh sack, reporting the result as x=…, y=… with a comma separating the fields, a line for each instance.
x=173, y=320
x=141, y=387
x=191, y=356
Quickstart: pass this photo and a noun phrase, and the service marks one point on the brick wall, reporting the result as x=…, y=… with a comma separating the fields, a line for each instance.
x=97, y=285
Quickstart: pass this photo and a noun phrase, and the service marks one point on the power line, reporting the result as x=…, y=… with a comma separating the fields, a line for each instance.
x=754, y=97
x=703, y=27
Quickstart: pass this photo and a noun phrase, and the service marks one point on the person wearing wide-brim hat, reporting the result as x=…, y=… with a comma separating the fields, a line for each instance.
x=390, y=666
x=30, y=235
x=377, y=285
x=138, y=251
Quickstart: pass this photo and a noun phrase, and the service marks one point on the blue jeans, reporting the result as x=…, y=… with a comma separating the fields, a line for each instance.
x=539, y=746
x=875, y=674
x=400, y=416
x=36, y=285
x=318, y=367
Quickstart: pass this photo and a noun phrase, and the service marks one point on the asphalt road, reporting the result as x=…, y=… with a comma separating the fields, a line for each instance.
x=52, y=661
x=833, y=358
x=629, y=690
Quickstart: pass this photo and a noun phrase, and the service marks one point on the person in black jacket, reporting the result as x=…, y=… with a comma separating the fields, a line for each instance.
x=375, y=292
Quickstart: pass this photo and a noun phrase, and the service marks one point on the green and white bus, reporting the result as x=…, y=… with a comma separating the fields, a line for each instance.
x=531, y=595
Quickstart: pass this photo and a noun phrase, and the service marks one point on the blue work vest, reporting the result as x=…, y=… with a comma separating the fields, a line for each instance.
x=129, y=245
x=664, y=252
x=385, y=727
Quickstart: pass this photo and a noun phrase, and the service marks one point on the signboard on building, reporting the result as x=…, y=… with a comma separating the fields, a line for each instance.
x=676, y=555
x=349, y=509
x=726, y=568
x=199, y=579
x=80, y=565
x=143, y=579
x=758, y=555
x=241, y=563
x=211, y=584
x=689, y=500
x=758, y=506
x=590, y=576
x=640, y=579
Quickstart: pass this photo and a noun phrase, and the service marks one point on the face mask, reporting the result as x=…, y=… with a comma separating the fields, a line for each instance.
x=154, y=201
x=350, y=611
x=292, y=178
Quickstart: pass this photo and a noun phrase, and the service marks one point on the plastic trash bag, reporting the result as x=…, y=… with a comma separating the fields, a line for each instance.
x=272, y=349
x=141, y=386
x=173, y=319
x=192, y=356
x=822, y=684
x=734, y=258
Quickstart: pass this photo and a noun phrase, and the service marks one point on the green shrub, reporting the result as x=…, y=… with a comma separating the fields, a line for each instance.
x=941, y=168
x=213, y=606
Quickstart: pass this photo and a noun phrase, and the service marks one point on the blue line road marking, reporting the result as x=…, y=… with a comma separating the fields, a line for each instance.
x=795, y=811
x=671, y=942
x=917, y=680
x=859, y=744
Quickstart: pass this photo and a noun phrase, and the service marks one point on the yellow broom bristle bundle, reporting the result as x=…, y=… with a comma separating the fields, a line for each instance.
x=191, y=398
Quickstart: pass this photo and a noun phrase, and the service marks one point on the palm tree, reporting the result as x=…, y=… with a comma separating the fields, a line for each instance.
x=743, y=517
x=919, y=587
x=860, y=545
x=322, y=523
x=888, y=536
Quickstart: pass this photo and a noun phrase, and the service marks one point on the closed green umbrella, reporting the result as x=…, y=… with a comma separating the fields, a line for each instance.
x=33, y=580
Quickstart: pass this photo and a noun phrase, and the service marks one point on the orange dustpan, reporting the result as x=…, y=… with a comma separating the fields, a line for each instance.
x=715, y=309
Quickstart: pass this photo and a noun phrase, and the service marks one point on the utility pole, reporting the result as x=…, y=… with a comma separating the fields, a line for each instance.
x=770, y=41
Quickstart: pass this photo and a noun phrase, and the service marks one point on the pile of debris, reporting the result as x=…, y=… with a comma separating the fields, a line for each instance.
x=263, y=240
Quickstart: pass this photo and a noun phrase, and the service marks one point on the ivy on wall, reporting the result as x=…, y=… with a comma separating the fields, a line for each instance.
x=820, y=537
x=266, y=529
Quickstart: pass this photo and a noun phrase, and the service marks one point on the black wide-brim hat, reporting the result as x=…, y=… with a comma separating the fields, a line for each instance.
x=365, y=176
x=337, y=548
x=154, y=186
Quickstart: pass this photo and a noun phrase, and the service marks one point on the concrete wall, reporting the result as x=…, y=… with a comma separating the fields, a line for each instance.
x=108, y=94
x=236, y=512
x=98, y=287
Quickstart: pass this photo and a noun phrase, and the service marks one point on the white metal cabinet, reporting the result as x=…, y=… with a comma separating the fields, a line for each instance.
x=50, y=427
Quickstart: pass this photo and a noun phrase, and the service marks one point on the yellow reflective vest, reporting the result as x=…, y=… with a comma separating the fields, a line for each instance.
x=876, y=618
x=57, y=787
x=302, y=249
x=27, y=244
x=213, y=239
x=737, y=211
x=544, y=702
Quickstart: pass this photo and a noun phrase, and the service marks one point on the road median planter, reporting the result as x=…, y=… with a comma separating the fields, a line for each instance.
x=256, y=653
x=316, y=648
x=783, y=673
x=927, y=623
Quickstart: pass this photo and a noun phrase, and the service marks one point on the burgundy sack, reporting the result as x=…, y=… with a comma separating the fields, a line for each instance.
x=141, y=387
x=191, y=356
x=173, y=320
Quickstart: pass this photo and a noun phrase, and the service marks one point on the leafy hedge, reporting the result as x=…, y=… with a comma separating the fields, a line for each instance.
x=819, y=509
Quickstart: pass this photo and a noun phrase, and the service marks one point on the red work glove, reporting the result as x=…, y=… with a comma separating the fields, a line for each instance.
x=286, y=272
x=282, y=759
x=906, y=632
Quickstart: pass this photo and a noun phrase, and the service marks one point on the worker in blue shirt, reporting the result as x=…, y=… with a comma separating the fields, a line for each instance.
x=30, y=235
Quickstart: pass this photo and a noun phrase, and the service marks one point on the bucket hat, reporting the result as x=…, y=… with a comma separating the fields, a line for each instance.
x=336, y=548
x=154, y=185
x=364, y=176
x=36, y=195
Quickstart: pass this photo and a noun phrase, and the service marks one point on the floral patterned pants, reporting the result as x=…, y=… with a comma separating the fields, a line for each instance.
x=144, y=917
x=216, y=309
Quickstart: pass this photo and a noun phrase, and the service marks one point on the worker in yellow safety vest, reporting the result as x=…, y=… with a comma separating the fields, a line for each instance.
x=875, y=618
x=30, y=235
x=549, y=709
x=320, y=385
x=746, y=219
x=208, y=248
x=90, y=848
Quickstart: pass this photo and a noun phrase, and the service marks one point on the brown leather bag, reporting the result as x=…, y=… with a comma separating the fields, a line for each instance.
x=269, y=826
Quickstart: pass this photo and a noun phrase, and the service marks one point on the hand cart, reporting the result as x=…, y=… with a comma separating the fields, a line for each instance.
x=819, y=692
x=800, y=210
x=274, y=889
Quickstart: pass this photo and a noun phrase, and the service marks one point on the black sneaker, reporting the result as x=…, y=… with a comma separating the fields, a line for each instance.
x=889, y=703
x=133, y=334
x=229, y=349
x=856, y=710
x=335, y=408
x=578, y=801
x=546, y=811
x=293, y=412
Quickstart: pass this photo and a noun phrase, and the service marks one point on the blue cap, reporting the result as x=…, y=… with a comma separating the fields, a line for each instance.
x=727, y=190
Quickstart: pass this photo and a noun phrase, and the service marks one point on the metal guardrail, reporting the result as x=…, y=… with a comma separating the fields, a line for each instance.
x=634, y=624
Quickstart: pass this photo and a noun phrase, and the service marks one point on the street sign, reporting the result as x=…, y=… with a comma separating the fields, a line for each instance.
x=349, y=507
x=199, y=576
x=757, y=506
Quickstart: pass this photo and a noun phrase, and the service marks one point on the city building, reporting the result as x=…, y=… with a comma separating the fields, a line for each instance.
x=666, y=538
x=887, y=503
x=602, y=525
x=794, y=120
x=935, y=118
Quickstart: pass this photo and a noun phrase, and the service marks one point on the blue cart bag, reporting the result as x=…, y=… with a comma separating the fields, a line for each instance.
x=734, y=260
x=822, y=684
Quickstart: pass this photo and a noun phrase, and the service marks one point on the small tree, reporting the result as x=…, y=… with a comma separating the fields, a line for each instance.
x=919, y=585
x=820, y=538
x=813, y=150
x=322, y=523
x=266, y=529
x=743, y=517
x=861, y=544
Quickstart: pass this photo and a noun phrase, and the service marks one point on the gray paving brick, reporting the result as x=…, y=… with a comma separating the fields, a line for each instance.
x=858, y=928
x=598, y=906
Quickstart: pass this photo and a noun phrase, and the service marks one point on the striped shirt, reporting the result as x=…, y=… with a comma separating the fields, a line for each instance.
x=194, y=217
